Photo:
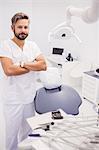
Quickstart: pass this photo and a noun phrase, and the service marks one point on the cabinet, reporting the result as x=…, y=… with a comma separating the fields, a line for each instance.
x=90, y=86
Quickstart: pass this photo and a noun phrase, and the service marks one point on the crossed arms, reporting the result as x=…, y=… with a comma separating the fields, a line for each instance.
x=10, y=69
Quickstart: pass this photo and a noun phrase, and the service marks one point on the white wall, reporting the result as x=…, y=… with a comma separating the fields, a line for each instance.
x=46, y=14
x=7, y=9
x=98, y=43
x=49, y=14
x=88, y=34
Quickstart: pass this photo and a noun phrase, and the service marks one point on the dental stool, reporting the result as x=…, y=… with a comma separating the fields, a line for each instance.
x=62, y=97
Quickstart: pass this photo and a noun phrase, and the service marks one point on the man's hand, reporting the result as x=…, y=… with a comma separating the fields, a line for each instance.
x=38, y=65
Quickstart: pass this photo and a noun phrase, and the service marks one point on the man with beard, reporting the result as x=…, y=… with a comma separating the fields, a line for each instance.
x=20, y=59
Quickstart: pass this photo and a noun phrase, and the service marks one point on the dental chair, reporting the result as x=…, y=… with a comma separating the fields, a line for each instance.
x=54, y=95
x=63, y=97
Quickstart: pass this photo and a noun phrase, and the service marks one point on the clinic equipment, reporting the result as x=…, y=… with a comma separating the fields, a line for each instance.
x=88, y=15
x=97, y=72
x=54, y=95
x=65, y=31
x=98, y=114
x=63, y=97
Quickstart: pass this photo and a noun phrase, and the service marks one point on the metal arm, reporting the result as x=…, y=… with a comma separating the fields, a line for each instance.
x=89, y=14
x=65, y=31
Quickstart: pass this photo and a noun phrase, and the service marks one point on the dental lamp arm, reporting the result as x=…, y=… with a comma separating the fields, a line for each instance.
x=89, y=14
x=65, y=29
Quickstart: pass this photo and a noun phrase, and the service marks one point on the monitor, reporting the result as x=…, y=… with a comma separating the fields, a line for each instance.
x=58, y=51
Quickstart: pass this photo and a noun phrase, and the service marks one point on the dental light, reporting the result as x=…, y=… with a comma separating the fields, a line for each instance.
x=65, y=31
x=62, y=32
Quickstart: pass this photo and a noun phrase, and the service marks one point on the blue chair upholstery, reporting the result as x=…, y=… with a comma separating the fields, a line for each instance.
x=64, y=97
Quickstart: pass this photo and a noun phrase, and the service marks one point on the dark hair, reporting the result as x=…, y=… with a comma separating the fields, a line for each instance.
x=18, y=16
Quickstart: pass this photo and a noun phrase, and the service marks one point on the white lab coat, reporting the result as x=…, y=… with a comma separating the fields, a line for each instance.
x=18, y=93
x=2, y=122
x=2, y=129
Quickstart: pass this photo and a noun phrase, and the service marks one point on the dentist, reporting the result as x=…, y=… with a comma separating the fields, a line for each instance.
x=20, y=59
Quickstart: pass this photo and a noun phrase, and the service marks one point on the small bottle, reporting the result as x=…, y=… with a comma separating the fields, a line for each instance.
x=69, y=57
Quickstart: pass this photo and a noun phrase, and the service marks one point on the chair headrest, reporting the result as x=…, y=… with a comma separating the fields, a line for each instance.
x=50, y=78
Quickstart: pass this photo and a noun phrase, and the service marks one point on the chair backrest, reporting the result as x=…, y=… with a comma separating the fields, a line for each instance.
x=64, y=97
x=50, y=78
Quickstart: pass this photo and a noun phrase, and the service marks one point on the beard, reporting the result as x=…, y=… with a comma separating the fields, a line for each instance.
x=21, y=36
